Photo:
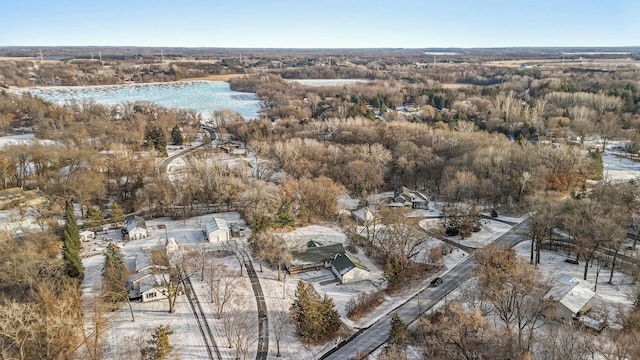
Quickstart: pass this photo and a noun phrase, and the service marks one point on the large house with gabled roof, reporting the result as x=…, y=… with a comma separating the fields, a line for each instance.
x=313, y=256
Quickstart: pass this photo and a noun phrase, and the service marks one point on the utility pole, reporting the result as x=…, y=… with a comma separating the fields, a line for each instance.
x=284, y=283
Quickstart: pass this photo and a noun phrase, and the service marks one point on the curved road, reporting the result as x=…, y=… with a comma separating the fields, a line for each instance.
x=369, y=339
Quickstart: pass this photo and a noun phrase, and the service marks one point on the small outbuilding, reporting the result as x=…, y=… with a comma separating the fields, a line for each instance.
x=363, y=216
x=572, y=297
x=135, y=228
x=87, y=235
x=349, y=269
x=217, y=230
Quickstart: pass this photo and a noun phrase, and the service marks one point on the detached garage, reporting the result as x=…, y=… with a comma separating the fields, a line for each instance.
x=349, y=269
x=217, y=230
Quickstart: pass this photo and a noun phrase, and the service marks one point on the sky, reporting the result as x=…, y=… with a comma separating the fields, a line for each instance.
x=320, y=24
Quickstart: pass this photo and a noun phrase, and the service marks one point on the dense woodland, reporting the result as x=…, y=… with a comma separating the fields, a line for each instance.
x=518, y=141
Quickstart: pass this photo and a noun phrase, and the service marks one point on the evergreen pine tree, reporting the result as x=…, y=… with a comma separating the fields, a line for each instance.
x=330, y=316
x=114, y=275
x=399, y=332
x=159, y=347
x=94, y=217
x=314, y=317
x=283, y=217
x=117, y=216
x=160, y=141
x=71, y=245
x=176, y=136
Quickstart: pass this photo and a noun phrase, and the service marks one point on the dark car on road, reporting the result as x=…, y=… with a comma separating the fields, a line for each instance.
x=435, y=282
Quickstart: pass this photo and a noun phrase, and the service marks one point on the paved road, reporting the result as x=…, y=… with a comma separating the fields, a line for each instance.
x=368, y=340
x=203, y=324
x=263, y=320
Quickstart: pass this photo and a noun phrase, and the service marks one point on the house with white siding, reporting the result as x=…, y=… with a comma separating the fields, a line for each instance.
x=135, y=228
x=217, y=230
x=349, y=269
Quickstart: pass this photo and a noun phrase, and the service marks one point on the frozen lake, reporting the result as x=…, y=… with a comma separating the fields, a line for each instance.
x=203, y=96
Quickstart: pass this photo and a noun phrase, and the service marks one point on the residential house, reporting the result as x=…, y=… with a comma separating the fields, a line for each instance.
x=217, y=230
x=135, y=228
x=143, y=284
x=313, y=256
x=146, y=280
x=414, y=199
x=150, y=289
x=349, y=269
x=572, y=297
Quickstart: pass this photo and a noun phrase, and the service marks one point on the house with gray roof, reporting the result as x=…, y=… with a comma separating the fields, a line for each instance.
x=410, y=198
x=349, y=268
x=217, y=230
x=135, y=228
x=313, y=256
x=572, y=297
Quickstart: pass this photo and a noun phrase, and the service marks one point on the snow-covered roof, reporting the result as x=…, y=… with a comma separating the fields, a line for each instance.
x=151, y=282
x=571, y=292
x=214, y=224
x=363, y=214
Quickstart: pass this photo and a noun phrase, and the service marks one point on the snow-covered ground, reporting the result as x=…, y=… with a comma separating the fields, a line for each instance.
x=21, y=140
x=329, y=82
x=609, y=298
x=618, y=169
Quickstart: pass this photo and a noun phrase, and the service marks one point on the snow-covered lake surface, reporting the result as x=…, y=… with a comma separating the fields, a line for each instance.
x=203, y=96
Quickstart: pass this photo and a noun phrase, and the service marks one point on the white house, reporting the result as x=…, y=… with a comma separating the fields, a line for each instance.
x=217, y=230
x=87, y=235
x=349, y=269
x=135, y=228
x=145, y=282
x=573, y=297
x=151, y=290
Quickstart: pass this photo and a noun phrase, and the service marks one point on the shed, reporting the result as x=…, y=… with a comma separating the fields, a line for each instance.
x=217, y=230
x=135, y=228
x=363, y=215
x=572, y=295
x=87, y=235
x=313, y=256
x=349, y=269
